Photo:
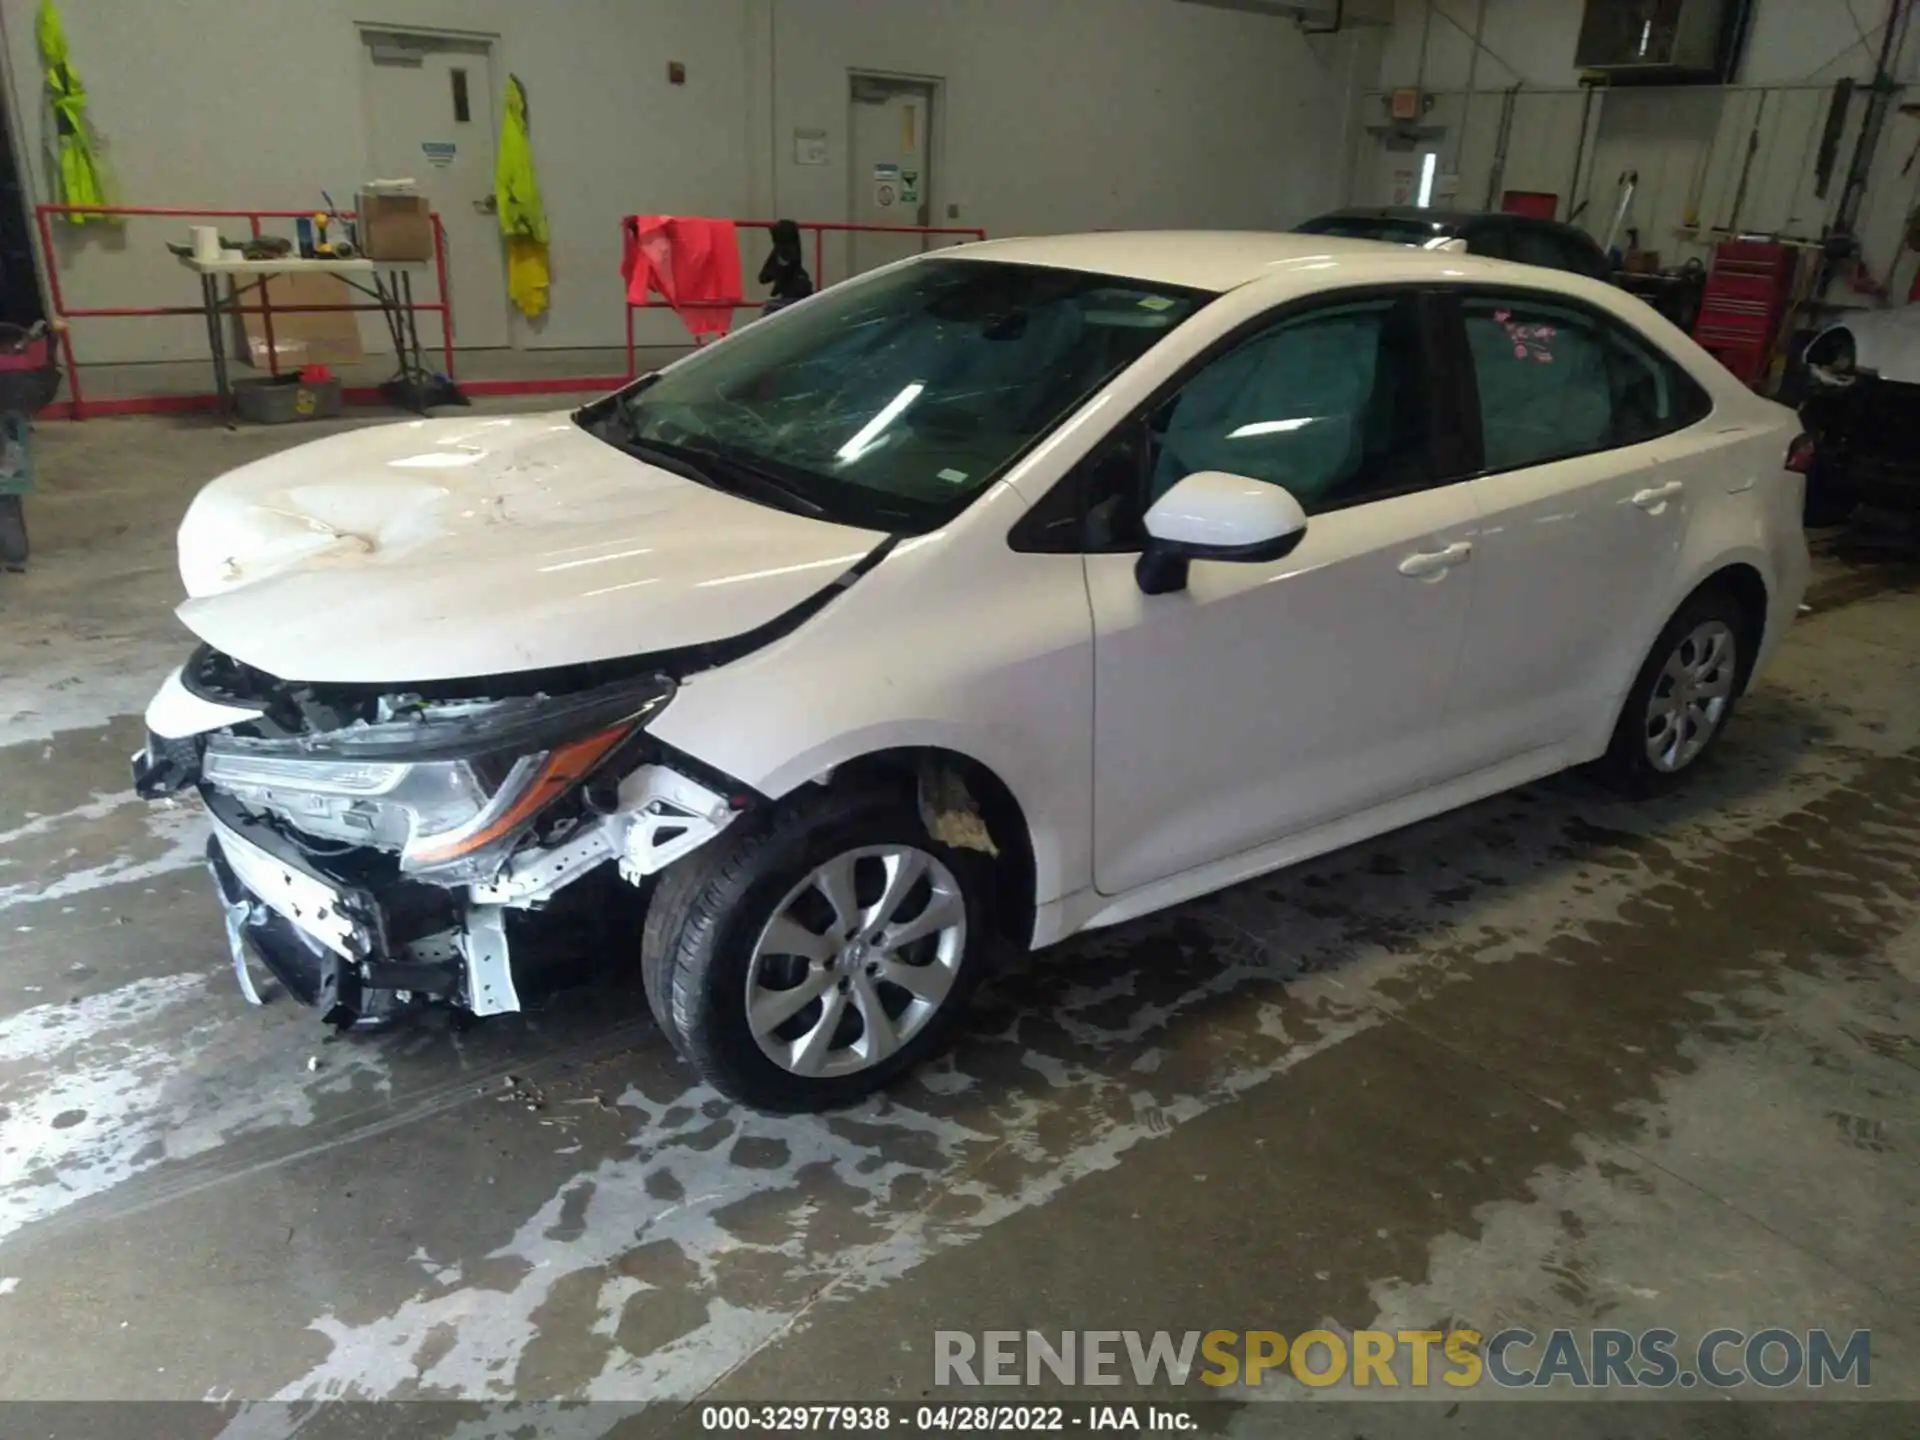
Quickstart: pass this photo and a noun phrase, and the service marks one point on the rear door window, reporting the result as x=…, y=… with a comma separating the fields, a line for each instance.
x=1556, y=380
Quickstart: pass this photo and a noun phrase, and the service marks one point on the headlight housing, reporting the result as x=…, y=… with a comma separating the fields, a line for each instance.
x=452, y=791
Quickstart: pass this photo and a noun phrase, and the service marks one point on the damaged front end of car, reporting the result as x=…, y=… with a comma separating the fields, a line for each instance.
x=380, y=849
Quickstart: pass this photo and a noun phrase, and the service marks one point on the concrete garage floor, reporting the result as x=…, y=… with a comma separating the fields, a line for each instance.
x=1553, y=1060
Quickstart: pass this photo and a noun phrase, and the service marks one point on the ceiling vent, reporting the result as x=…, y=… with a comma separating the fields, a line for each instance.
x=1659, y=42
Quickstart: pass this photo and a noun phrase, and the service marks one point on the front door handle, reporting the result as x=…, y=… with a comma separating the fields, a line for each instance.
x=1654, y=498
x=1433, y=562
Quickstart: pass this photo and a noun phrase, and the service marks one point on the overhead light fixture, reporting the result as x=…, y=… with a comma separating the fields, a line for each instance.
x=1429, y=169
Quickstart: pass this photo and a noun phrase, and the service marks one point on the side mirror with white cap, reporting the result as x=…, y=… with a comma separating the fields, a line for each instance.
x=1211, y=515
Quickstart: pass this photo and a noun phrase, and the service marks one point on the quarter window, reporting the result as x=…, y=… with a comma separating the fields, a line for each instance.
x=1557, y=381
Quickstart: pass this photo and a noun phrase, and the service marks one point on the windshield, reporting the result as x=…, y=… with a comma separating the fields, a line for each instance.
x=891, y=401
x=1389, y=228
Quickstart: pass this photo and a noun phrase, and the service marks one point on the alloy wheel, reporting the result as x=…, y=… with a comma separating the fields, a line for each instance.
x=856, y=960
x=1691, y=696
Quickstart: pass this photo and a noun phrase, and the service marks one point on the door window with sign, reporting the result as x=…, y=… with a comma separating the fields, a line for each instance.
x=1556, y=381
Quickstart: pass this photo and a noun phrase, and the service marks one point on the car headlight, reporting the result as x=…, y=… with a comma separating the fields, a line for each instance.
x=456, y=810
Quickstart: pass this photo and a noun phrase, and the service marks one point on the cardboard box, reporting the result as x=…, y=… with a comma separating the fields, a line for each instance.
x=328, y=337
x=394, y=227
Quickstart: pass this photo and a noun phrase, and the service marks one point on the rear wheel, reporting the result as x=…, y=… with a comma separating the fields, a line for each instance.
x=1682, y=698
x=803, y=960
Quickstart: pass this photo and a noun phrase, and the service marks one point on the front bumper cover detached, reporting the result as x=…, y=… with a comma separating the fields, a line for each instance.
x=339, y=919
x=363, y=944
x=330, y=944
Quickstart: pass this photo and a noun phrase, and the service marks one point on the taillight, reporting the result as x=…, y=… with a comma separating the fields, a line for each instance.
x=1800, y=455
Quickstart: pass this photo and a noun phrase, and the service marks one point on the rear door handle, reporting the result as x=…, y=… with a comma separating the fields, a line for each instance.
x=1654, y=498
x=1432, y=562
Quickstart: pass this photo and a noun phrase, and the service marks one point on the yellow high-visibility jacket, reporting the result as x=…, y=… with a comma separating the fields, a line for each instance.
x=523, y=219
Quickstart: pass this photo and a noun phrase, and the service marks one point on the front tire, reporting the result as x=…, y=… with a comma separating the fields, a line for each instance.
x=1682, y=698
x=807, y=956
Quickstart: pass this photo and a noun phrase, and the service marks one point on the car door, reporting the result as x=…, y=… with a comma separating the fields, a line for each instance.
x=1266, y=698
x=1583, y=508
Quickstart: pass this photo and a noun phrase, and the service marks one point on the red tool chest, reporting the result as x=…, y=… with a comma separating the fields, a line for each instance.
x=1748, y=289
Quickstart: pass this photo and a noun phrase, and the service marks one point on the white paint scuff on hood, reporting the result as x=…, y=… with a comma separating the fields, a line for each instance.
x=444, y=549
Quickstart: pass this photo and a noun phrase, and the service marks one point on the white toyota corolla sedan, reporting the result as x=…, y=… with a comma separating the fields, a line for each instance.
x=1001, y=594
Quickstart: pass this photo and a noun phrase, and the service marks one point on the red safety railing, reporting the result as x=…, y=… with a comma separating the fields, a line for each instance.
x=43, y=218
x=820, y=229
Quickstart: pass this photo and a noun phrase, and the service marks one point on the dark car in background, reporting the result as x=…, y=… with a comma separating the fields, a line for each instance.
x=1862, y=413
x=1495, y=234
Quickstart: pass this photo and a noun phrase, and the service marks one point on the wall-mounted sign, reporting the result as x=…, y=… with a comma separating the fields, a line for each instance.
x=810, y=147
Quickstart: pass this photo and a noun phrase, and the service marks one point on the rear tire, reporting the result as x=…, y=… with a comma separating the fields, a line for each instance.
x=769, y=955
x=1682, y=698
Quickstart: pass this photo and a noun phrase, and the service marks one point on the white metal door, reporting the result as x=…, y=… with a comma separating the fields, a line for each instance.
x=889, y=151
x=1266, y=699
x=1576, y=554
x=416, y=89
x=1571, y=557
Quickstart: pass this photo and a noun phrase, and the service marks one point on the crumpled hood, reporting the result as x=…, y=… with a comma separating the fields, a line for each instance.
x=445, y=549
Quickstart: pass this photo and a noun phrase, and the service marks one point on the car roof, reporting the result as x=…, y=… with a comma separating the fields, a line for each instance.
x=1214, y=260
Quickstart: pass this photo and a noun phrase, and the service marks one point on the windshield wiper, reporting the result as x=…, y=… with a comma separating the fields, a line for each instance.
x=719, y=472
x=768, y=482
x=664, y=457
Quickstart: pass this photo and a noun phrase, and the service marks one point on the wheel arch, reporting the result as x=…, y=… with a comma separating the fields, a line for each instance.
x=930, y=770
x=1737, y=575
x=1748, y=589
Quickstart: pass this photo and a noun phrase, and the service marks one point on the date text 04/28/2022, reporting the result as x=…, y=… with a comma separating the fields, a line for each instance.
x=874, y=1419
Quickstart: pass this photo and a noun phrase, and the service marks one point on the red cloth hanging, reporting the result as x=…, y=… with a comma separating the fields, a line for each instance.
x=690, y=262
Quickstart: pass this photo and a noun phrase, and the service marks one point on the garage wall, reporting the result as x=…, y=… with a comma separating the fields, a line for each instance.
x=1059, y=114
x=1687, y=143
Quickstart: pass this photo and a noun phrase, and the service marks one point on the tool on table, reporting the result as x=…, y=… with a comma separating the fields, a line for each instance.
x=346, y=227
x=257, y=247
